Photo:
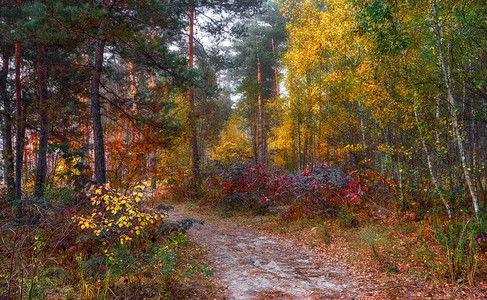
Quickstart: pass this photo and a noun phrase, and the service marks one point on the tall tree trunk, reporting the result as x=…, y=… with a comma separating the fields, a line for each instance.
x=312, y=158
x=98, y=140
x=7, y=130
x=300, y=159
x=192, y=118
x=305, y=148
x=125, y=81
x=362, y=126
x=276, y=74
x=430, y=164
x=20, y=126
x=437, y=116
x=254, y=136
x=19, y=129
x=153, y=154
x=453, y=112
x=41, y=170
x=260, y=116
x=133, y=92
x=3, y=95
x=418, y=124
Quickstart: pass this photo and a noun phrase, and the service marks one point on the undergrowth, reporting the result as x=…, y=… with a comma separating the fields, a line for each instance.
x=97, y=244
x=358, y=214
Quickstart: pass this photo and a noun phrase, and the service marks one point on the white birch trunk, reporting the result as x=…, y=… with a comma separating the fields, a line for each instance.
x=451, y=100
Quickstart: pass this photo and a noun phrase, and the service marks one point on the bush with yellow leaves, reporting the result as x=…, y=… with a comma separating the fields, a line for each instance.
x=119, y=238
x=118, y=218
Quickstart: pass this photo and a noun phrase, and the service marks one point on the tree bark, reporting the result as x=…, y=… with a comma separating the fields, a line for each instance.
x=20, y=126
x=41, y=170
x=453, y=112
x=254, y=135
x=98, y=140
x=300, y=162
x=362, y=126
x=192, y=118
x=19, y=129
x=260, y=116
x=420, y=129
x=437, y=116
x=276, y=74
x=7, y=130
x=430, y=164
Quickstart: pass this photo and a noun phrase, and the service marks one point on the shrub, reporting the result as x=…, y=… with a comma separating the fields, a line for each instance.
x=316, y=192
x=114, y=237
x=118, y=218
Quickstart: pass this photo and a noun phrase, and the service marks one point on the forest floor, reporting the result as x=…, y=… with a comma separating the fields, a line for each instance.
x=253, y=262
x=254, y=265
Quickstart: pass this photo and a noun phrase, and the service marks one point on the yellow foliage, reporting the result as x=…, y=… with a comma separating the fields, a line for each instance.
x=334, y=87
x=117, y=215
x=234, y=141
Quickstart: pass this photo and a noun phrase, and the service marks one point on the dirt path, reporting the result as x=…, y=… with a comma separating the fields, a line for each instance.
x=254, y=265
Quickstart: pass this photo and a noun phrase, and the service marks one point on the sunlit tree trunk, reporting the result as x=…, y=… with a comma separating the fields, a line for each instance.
x=153, y=154
x=133, y=93
x=453, y=112
x=125, y=81
x=133, y=88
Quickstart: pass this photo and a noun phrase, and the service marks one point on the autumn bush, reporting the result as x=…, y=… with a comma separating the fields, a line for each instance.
x=116, y=218
x=391, y=228
x=100, y=243
x=317, y=192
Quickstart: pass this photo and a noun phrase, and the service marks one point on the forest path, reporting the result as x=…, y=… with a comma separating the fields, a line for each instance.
x=255, y=265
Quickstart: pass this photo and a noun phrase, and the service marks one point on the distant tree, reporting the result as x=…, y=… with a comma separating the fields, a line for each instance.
x=259, y=44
